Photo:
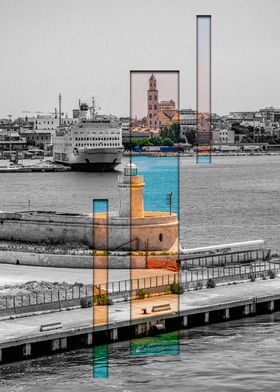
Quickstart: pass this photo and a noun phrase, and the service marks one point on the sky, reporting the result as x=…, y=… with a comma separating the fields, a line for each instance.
x=85, y=48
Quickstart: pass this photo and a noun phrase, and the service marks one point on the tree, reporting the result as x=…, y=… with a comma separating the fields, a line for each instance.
x=167, y=142
x=172, y=132
x=191, y=136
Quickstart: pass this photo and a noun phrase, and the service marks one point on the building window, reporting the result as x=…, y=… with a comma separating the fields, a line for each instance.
x=150, y=97
x=155, y=107
x=161, y=237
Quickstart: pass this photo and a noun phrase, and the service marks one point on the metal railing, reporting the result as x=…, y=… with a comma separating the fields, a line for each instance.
x=150, y=284
x=221, y=259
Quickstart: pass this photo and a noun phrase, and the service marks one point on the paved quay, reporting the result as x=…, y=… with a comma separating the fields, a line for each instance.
x=26, y=329
x=20, y=274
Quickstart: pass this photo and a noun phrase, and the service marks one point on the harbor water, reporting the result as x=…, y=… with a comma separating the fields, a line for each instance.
x=241, y=355
x=233, y=199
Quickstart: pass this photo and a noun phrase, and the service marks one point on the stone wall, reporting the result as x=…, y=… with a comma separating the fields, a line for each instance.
x=46, y=226
x=70, y=261
x=157, y=231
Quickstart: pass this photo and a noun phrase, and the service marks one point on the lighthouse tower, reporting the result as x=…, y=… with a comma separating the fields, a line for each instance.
x=131, y=193
x=152, y=102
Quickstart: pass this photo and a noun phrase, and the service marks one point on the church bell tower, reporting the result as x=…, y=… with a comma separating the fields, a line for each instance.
x=152, y=102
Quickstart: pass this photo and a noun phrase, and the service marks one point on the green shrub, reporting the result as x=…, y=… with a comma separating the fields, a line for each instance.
x=102, y=300
x=86, y=302
x=272, y=274
x=211, y=284
x=176, y=288
x=199, y=285
x=252, y=277
x=141, y=294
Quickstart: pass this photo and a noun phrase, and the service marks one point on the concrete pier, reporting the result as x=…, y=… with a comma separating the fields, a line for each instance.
x=197, y=308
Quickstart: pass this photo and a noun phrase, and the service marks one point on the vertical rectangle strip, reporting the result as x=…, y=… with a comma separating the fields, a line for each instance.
x=203, y=89
x=100, y=294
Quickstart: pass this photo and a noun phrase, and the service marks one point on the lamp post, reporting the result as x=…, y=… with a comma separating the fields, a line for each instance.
x=169, y=201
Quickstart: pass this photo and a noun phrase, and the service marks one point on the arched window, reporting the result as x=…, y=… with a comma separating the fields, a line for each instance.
x=161, y=237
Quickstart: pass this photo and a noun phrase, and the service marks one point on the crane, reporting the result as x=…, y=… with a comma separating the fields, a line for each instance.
x=37, y=112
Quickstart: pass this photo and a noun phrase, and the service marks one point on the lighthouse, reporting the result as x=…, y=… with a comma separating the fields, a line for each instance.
x=131, y=187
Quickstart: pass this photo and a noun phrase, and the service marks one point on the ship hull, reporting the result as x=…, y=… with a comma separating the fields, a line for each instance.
x=95, y=160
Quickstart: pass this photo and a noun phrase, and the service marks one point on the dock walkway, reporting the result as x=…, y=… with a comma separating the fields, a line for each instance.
x=224, y=302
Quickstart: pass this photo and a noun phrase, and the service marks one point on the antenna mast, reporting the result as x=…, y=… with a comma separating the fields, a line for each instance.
x=59, y=108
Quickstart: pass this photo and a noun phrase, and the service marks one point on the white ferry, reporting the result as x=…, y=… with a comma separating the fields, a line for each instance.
x=91, y=143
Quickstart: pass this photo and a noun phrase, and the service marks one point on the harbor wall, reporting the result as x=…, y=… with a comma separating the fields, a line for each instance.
x=46, y=226
x=88, y=262
x=71, y=261
x=157, y=231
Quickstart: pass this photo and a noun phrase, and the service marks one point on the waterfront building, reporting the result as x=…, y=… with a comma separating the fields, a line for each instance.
x=138, y=134
x=41, y=139
x=11, y=141
x=166, y=105
x=159, y=114
x=46, y=122
x=223, y=136
x=270, y=115
x=187, y=122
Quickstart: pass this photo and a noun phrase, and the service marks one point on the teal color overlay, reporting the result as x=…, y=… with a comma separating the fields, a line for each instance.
x=166, y=344
x=100, y=361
